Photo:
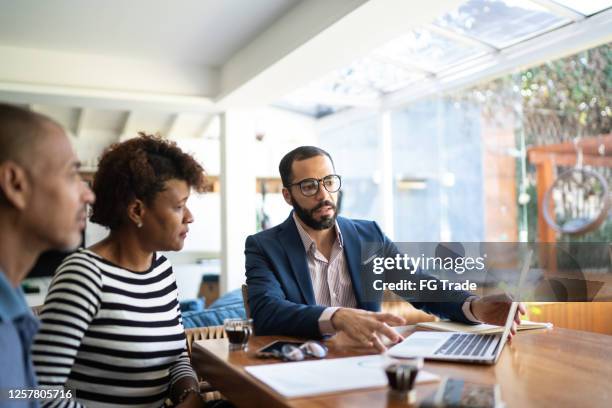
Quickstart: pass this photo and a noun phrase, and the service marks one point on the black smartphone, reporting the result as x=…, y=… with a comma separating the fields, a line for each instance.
x=274, y=349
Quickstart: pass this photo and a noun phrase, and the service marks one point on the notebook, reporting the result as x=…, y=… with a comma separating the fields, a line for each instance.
x=448, y=326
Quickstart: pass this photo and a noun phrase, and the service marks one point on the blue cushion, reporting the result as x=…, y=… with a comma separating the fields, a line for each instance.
x=227, y=306
x=212, y=317
x=229, y=299
x=193, y=305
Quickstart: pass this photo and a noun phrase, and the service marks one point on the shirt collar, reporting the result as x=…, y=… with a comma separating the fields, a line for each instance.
x=12, y=300
x=308, y=241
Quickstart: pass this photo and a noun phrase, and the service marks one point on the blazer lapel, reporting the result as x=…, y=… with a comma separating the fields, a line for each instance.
x=352, y=254
x=294, y=248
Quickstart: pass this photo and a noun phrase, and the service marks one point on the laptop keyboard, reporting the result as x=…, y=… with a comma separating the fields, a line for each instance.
x=466, y=345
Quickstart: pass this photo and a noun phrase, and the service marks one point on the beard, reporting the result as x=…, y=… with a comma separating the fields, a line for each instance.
x=307, y=215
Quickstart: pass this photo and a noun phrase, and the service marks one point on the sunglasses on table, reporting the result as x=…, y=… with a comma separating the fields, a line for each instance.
x=290, y=352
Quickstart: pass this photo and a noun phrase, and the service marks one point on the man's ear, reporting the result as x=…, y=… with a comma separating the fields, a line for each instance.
x=287, y=196
x=14, y=184
x=135, y=211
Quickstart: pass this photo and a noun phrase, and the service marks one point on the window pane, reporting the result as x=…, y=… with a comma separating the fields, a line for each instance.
x=356, y=149
x=586, y=7
x=426, y=50
x=500, y=22
x=438, y=169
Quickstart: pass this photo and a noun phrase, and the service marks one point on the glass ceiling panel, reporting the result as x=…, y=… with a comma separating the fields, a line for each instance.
x=500, y=22
x=426, y=50
x=307, y=108
x=367, y=78
x=411, y=57
x=361, y=83
x=586, y=7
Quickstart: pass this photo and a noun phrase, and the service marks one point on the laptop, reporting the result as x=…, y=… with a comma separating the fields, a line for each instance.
x=460, y=347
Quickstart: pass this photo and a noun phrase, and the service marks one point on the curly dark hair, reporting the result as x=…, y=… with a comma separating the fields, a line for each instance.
x=138, y=169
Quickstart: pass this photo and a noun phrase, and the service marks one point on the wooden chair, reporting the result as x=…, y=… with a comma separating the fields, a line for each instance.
x=245, y=299
x=208, y=392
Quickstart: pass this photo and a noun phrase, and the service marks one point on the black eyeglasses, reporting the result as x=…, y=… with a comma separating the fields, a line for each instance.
x=310, y=186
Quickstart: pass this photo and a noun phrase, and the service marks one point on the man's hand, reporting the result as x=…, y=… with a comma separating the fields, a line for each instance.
x=493, y=309
x=366, y=327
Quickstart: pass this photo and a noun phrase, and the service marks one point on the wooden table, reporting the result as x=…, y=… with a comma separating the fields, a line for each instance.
x=541, y=368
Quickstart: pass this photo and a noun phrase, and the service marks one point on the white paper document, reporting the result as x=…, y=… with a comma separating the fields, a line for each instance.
x=306, y=378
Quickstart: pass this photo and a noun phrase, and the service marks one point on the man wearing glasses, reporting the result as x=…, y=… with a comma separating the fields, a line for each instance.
x=303, y=275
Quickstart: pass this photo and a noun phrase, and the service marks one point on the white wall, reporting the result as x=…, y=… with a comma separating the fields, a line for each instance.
x=243, y=159
x=283, y=131
x=248, y=158
x=90, y=146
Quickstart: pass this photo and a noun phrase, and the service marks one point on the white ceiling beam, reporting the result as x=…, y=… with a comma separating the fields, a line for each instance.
x=80, y=122
x=107, y=76
x=127, y=123
x=314, y=38
x=172, y=127
x=205, y=130
x=185, y=125
x=81, y=70
x=290, y=32
x=102, y=99
x=565, y=41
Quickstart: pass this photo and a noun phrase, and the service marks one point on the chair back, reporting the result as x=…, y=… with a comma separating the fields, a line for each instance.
x=203, y=333
x=245, y=299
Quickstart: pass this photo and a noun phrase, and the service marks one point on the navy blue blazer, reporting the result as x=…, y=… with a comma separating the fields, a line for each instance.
x=281, y=297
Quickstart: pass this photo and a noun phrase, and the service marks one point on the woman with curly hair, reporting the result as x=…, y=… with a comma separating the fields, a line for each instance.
x=111, y=328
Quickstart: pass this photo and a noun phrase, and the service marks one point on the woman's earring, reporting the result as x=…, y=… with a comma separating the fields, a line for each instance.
x=139, y=225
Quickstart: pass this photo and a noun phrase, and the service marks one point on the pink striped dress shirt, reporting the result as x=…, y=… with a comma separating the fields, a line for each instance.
x=331, y=282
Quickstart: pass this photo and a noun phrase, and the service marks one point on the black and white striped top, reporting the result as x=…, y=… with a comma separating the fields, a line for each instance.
x=113, y=335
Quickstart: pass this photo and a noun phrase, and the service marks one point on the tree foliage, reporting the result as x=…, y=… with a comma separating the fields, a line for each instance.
x=556, y=101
